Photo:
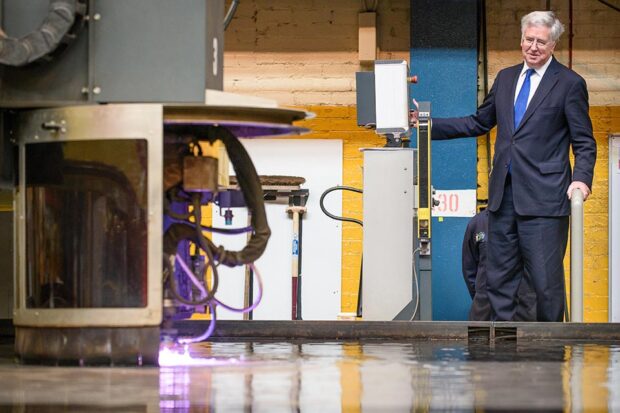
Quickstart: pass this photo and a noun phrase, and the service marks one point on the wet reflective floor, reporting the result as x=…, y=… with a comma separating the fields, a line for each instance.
x=331, y=377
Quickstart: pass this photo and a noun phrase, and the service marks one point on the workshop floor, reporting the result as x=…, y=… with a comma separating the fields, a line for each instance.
x=329, y=376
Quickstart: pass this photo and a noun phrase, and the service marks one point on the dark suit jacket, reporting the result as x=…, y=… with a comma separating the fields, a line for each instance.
x=538, y=150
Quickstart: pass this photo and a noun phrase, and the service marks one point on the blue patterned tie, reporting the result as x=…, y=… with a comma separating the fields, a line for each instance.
x=524, y=93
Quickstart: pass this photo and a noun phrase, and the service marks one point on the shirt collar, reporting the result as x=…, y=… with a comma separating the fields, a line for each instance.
x=540, y=72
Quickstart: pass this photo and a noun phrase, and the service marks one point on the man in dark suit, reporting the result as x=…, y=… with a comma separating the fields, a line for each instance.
x=474, y=267
x=540, y=108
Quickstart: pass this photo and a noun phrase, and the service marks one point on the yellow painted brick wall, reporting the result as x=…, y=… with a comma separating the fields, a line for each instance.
x=339, y=122
x=305, y=53
x=605, y=120
x=596, y=219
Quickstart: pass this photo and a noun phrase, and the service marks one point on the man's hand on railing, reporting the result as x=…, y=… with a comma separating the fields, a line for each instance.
x=578, y=185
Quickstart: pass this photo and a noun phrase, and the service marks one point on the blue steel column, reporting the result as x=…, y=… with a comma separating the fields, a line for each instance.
x=444, y=39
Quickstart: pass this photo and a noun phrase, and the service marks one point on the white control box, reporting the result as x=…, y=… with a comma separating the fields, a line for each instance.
x=392, y=96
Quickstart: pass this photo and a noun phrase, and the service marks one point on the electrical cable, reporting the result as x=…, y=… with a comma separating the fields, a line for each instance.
x=417, y=288
x=608, y=4
x=256, y=302
x=345, y=219
x=206, y=247
x=183, y=229
x=215, y=302
x=223, y=231
x=230, y=14
x=176, y=194
x=180, y=232
x=169, y=264
x=169, y=267
x=174, y=215
x=250, y=185
x=208, y=332
x=341, y=188
x=191, y=275
x=183, y=218
x=203, y=291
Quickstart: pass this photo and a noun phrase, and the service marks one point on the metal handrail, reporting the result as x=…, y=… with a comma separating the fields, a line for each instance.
x=576, y=257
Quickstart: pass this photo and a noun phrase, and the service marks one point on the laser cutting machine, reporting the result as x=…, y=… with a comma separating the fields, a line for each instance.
x=108, y=112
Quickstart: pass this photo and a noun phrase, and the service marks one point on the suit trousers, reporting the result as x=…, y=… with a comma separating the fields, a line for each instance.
x=536, y=244
x=525, y=305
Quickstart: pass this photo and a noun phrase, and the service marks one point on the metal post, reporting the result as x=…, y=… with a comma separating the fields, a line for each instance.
x=576, y=257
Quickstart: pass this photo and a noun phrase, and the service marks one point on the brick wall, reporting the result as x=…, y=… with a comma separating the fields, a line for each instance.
x=304, y=53
x=596, y=219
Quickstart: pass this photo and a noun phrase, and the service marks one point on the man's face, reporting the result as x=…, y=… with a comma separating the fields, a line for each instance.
x=537, y=46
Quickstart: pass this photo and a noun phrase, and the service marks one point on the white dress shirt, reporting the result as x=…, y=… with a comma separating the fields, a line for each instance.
x=535, y=79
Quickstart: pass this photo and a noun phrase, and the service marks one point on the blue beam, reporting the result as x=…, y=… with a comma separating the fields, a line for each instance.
x=444, y=55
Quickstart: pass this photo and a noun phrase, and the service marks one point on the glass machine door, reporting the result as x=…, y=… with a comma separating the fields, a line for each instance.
x=89, y=216
x=86, y=224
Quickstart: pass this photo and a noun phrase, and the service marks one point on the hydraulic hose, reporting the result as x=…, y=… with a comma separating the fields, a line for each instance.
x=249, y=184
x=182, y=229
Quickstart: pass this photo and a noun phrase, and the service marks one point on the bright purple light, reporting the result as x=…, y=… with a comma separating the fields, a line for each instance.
x=170, y=358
